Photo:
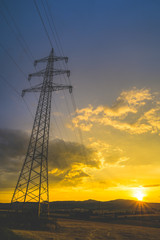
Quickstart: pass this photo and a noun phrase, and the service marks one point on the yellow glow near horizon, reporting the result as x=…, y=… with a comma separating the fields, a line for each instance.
x=139, y=194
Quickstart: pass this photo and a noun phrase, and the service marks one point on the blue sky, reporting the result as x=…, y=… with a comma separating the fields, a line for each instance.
x=111, y=45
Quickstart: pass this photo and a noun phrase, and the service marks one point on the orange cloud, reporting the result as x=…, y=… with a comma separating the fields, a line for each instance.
x=134, y=111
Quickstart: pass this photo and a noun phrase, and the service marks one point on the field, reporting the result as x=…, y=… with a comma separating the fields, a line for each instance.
x=86, y=220
x=87, y=230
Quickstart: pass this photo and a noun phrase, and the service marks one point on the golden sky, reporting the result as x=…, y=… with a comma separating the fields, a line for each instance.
x=125, y=143
x=120, y=155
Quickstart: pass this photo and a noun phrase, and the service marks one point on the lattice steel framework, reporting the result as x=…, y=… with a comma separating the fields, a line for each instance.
x=32, y=185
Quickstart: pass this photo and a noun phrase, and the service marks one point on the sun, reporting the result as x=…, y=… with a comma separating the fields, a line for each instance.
x=139, y=194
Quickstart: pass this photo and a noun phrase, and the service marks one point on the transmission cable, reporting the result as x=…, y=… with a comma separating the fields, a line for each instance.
x=13, y=60
x=19, y=37
x=58, y=62
x=54, y=26
x=18, y=31
x=13, y=31
x=17, y=93
x=55, y=35
x=37, y=8
x=64, y=129
x=19, y=68
x=50, y=24
x=60, y=48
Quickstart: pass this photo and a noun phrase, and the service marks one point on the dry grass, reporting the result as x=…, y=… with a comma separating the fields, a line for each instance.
x=85, y=230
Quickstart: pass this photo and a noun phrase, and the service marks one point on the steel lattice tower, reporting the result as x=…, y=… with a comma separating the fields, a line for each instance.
x=32, y=185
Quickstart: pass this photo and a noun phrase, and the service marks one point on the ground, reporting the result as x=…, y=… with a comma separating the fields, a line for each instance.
x=87, y=230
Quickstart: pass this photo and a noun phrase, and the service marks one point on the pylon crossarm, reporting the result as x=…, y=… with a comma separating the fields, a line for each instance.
x=62, y=87
x=37, y=88
x=51, y=73
x=45, y=59
x=59, y=71
x=36, y=74
x=60, y=58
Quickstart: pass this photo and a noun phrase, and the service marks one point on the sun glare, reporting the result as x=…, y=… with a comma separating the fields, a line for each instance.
x=139, y=194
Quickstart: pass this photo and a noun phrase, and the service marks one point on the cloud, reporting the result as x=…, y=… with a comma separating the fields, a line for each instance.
x=64, y=155
x=70, y=163
x=68, y=177
x=128, y=102
x=13, y=145
x=135, y=111
x=67, y=161
x=65, y=158
x=109, y=155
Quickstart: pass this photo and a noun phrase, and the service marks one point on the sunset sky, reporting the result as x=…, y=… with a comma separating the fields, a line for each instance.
x=114, y=56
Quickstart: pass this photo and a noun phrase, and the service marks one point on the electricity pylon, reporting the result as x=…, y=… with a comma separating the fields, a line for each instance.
x=32, y=185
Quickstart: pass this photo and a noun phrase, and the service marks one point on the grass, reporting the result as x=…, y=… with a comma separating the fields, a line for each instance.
x=7, y=234
x=78, y=227
x=87, y=230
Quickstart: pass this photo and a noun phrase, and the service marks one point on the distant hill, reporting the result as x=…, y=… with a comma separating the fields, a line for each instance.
x=114, y=205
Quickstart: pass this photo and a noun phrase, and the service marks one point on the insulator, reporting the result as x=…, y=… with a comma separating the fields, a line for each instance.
x=35, y=63
x=29, y=77
x=23, y=92
x=66, y=60
x=68, y=73
x=70, y=89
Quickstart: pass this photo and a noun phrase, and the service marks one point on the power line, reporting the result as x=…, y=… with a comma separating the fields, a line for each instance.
x=54, y=27
x=48, y=20
x=64, y=130
x=58, y=38
x=13, y=31
x=15, y=90
x=69, y=112
x=18, y=31
x=50, y=26
x=75, y=108
x=27, y=107
x=43, y=23
x=19, y=68
x=20, y=38
x=61, y=52
x=9, y=84
x=13, y=60
x=17, y=65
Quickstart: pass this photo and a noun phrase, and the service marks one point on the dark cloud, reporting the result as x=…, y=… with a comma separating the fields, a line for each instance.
x=63, y=156
x=68, y=177
x=13, y=144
